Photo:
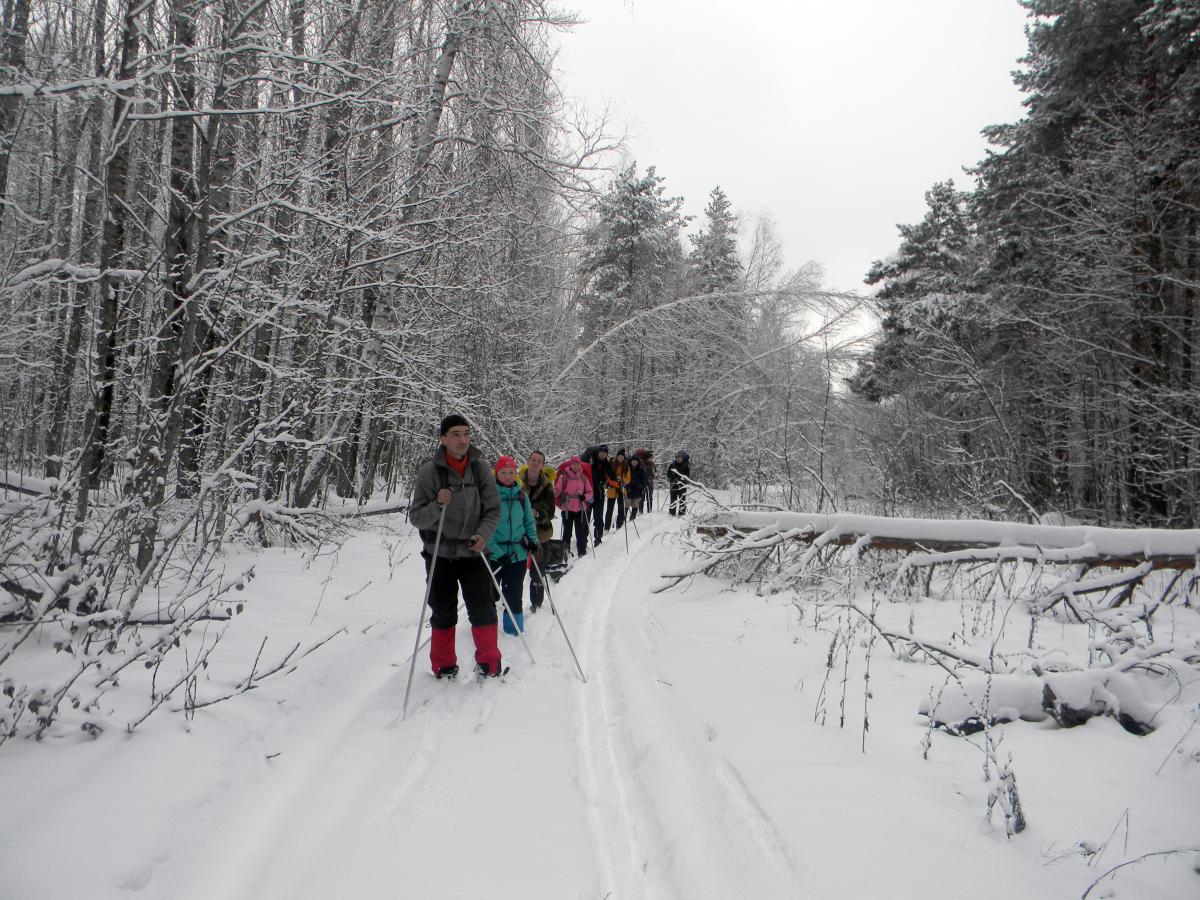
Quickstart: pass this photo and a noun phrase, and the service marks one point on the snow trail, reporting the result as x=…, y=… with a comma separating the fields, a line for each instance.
x=617, y=780
x=670, y=816
x=364, y=803
x=689, y=766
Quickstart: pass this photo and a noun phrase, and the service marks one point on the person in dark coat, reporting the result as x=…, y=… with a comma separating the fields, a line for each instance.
x=651, y=474
x=637, y=485
x=602, y=477
x=458, y=481
x=677, y=472
x=537, y=481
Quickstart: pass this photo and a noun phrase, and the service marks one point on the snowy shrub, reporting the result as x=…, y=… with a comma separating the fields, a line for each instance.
x=1122, y=603
x=78, y=616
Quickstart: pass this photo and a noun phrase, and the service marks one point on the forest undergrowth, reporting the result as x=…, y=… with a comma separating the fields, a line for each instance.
x=1017, y=634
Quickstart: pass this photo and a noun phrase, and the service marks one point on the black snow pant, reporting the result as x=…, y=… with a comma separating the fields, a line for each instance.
x=598, y=517
x=635, y=506
x=511, y=576
x=536, y=591
x=678, y=499
x=619, y=502
x=449, y=575
x=576, y=521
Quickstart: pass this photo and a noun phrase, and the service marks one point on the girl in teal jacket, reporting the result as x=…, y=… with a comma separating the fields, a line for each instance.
x=510, y=544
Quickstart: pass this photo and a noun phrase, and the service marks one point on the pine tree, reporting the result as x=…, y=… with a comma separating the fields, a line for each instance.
x=920, y=291
x=714, y=258
x=630, y=249
x=631, y=257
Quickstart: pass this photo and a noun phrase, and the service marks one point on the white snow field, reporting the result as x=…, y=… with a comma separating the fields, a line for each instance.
x=690, y=764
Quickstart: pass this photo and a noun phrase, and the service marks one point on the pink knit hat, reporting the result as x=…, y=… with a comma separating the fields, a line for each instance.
x=504, y=462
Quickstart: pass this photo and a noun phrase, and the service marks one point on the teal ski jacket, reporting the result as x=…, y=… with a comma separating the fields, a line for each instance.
x=516, y=522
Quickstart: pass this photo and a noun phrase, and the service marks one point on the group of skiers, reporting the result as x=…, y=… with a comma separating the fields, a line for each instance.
x=592, y=482
x=482, y=527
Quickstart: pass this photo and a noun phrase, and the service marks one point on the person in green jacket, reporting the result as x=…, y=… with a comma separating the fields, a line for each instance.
x=511, y=543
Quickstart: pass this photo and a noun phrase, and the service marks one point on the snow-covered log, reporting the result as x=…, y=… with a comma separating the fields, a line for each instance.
x=303, y=519
x=938, y=541
x=20, y=483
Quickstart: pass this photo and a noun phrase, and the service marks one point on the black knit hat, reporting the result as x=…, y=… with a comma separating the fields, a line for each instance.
x=451, y=421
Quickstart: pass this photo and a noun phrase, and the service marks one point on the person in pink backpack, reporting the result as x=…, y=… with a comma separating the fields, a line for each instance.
x=573, y=494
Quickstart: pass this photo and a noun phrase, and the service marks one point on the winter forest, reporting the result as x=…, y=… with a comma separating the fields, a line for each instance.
x=252, y=251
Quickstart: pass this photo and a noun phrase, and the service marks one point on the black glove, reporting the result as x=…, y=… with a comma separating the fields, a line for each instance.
x=527, y=543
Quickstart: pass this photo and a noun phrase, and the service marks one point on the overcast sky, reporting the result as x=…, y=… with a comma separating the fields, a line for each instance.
x=836, y=116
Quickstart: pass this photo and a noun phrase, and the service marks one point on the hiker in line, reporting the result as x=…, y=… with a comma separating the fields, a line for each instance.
x=510, y=544
x=680, y=469
x=573, y=491
x=637, y=485
x=601, y=476
x=616, y=491
x=457, y=483
x=587, y=473
x=651, y=474
x=537, y=482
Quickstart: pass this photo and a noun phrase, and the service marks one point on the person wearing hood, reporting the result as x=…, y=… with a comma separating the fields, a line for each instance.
x=456, y=488
x=510, y=544
x=587, y=473
x=537, y=481
x=678, y=474
x=573, y=491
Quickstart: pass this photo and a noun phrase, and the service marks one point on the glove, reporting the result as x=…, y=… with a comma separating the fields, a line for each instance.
x=529, y=545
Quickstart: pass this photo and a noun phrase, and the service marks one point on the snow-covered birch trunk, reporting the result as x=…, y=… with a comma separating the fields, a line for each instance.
x=112, y=239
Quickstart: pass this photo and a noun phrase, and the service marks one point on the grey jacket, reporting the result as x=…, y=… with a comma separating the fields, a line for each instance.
x=474, y=506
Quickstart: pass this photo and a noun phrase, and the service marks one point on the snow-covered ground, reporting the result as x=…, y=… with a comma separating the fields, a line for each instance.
x=690, y=764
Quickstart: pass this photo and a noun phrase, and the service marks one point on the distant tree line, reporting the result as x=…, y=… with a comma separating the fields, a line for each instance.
x=252, y=250
x=1040, y=340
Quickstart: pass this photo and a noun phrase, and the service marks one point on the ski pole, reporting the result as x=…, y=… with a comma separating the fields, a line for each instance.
x=507, y=608
x=437, y=543
x=557, y=617
x=624, y=529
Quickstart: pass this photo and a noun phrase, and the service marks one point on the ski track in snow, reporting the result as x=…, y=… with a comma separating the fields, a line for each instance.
x=653, y=804
x=671, y=774
x=270, y=814
x=670, y=819
x=343, y=775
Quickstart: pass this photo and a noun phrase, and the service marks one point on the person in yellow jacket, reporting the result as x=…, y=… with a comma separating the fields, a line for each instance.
x=617, y=489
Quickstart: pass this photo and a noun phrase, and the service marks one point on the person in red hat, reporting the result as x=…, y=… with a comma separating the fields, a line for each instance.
x=510, y=544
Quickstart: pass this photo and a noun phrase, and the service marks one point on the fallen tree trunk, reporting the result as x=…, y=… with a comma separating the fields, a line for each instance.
x=957, y=540
x=20, y=483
